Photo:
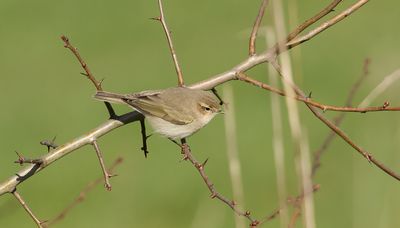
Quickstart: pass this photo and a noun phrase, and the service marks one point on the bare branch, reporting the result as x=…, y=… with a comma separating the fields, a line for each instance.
x=11, y=183
x=338, y=120
x=253, y=36
x=22, y=160
x=88, y=73
x=341, y=133
x=313, y=19
x=385, y=107
x=187, y=155
x=326, y=25
x=296, y=201
x=106, y=175
x=82, y=195
x=161, y=18
x=27, y=209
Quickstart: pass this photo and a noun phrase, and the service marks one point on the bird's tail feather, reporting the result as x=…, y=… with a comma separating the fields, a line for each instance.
x=110, y=97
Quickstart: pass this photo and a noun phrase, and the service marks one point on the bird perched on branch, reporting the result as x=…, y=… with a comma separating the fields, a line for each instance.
x=175, y=113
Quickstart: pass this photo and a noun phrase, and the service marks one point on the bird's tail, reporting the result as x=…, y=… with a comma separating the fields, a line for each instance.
x=110, y=97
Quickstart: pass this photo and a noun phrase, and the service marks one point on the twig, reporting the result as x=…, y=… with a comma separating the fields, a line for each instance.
x=382, y=87
x=187, y=155
x=22, y=160
x=385, y=106
x=161, y=18
x=27, y=209
x=103, y=167
x=326, y=25
x=82, y=195
x=88, y=73
x=341, y=133
x=338, y=120
x=290, y=201
x=253, y=36
x=7, y=186
x=313, y=19
x=267, y=56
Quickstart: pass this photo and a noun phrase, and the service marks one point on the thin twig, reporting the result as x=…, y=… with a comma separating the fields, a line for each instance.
x=338, y=120
x=256, y=26
x=22, y=160
x=328, y=9
x=106, y=175
x=382, y=87
x=167, y=32
x=82, y=195
x=341, y=133
x=88, y=73
x=187, y=155
x=27, y=209
x=289, y=201
x=326, y=25
x=385, y=106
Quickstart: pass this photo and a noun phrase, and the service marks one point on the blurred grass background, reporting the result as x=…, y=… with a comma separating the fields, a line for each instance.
x=44, y=95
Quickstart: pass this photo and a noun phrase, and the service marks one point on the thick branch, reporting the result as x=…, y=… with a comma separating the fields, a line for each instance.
x=9, y=185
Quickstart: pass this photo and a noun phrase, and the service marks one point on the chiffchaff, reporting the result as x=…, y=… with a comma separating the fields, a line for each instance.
x=175, y=113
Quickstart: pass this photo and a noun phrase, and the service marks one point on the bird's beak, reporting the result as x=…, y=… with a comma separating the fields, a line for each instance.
x=221, y=112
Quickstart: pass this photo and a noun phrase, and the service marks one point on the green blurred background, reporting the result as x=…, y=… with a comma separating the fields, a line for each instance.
x=44, y=95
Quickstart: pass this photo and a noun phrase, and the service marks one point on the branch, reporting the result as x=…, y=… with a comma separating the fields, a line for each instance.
x=267, y=56
x=253, y=36
x=88, y=73
x=313, y=19
x=106, y=174
x=83, y=194
x=187, y=155
x=161, y=18
x=326, y=25
x=385, y=107
x=27, y=209
x=338, y=120
x=11, y=183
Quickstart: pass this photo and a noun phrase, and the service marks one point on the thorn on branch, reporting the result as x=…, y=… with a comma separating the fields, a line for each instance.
x=204, y=163
x=385, y=104
x=21, y=160
x=167, y=32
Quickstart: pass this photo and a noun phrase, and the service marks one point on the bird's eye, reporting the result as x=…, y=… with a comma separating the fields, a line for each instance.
x=207, y=109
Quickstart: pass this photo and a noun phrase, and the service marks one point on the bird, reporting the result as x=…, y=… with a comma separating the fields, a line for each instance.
x=175, y=113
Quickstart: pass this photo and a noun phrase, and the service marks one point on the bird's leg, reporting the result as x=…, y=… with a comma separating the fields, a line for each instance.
x=185, y=149
x=144, y=137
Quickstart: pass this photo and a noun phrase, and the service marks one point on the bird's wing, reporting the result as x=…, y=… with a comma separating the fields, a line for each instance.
x=152, y=104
